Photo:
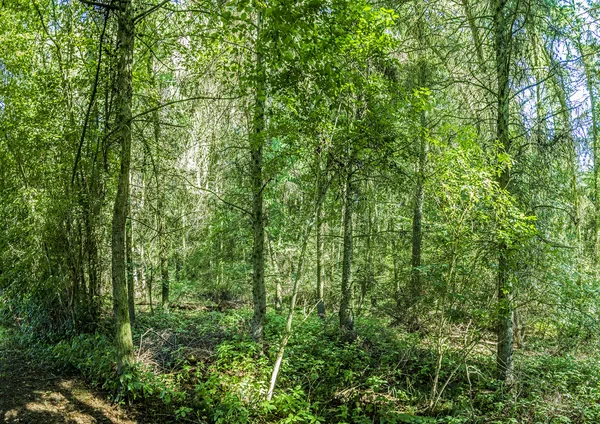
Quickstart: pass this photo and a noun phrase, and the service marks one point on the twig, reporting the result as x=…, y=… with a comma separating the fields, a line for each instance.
x=98, y=4
x=149, y=11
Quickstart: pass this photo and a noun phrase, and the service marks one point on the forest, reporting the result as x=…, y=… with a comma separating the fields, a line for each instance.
x=300, y=211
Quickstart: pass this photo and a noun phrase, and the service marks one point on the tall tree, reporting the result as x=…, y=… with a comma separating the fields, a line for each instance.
x=503, y=17
x=123, y=117
x=257, y=140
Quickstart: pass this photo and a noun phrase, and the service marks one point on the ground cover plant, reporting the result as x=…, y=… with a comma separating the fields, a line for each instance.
x=333, y=211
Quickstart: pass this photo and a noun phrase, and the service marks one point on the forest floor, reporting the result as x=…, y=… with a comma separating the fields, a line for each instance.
x=33, y=393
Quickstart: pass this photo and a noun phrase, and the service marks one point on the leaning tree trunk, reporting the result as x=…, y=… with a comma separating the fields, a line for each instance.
x=345, y=313
x=259, y=293
x=502, y=38
x=125, y=38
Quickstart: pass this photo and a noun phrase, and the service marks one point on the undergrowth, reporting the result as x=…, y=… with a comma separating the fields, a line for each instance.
x=199, y=365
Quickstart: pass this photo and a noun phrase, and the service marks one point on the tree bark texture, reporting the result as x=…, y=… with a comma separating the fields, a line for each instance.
x=345, y=313
x=502, y=39
x=125, y=39
x=259, y=293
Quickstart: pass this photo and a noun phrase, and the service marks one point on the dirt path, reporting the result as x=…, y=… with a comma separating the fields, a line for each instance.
x=31, y=393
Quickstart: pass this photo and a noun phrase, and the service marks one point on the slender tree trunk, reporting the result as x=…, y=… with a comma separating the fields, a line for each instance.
x=561, y=93
x=474, y=32
x=259, y=293
x=321, y=191
x=416, y=289
x=164, y=277
x=92, y=217
x=295, y=288
x=130, y=281
x=160, y=220
x=589, y=79
x=345, y=313
x=278, y=289
x=397, y=287
x=149, y=288
x=178, y=266
x=502, y=39
x=125, y=38
x=288, y=324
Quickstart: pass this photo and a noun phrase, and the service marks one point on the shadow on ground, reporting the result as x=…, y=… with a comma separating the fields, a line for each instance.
x=30, y=393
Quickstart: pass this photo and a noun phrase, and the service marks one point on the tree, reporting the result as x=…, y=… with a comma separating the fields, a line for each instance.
x=123, y=118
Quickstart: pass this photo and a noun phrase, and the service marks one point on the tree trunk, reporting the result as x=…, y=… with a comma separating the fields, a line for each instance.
x=160, y=221
x=130, y=281
x=164, y=277
x=416, y=289
x=321, y=190
x=149, y=288
x=560, y=89
x=502, y=38
x=259, y=293
x=345, y=313
x=125, y=38
x=288, y=324
x=589, y=79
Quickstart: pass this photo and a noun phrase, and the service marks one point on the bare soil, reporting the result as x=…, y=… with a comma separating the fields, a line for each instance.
x=33, y=393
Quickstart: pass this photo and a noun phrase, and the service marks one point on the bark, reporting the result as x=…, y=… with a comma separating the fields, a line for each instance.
x=474, y=32
x=278, y=289
x=416, y=289
x=125, y=39
x=396, y=267
x=295, y=289
x=149, y=288
x=178, y=266
x=589, y=79
x=345, y=314
x=164, y=277
x=130, y=280
x=95, y=199
x=561, y=93
x=259, y=293
x=288, y=324
x=162, y=241
x=321, y=191
x=366, y=282
x=502, y=38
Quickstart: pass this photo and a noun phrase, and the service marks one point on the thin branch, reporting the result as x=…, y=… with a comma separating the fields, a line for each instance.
x=162, y=105
x=233, y=205
x=149, y=11
x=99, y=4
x=92, y=99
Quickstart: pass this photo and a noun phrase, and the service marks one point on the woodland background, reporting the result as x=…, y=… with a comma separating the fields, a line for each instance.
x=307, y=211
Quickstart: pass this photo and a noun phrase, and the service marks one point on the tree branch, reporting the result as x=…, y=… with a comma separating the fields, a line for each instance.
x=92, y=99
x=172, y=102
x=149, y=11
x=99, y=4
x=233, y=205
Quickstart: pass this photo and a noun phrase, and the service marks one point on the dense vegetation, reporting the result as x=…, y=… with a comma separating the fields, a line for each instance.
x=347, y=211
